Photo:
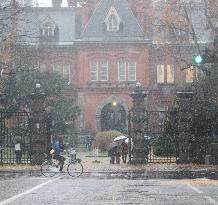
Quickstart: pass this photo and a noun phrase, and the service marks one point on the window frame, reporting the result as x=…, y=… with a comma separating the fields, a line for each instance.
x=68, y=66
x=113, y=23
x=95, y=71
x=112, y=20
x=101, y=66
x=134, y=66
x=160, y=80
x=59, y=71
x=191, y=71
x=124, y=69
x=171, y=66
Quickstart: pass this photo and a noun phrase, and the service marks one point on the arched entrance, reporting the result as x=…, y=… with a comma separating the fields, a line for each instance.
x=113, y=117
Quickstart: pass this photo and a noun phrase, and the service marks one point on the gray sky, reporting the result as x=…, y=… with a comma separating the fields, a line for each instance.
x=48, y=3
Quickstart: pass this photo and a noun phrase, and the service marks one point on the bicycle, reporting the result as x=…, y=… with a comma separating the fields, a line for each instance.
x=39, y=158
x=50, y=167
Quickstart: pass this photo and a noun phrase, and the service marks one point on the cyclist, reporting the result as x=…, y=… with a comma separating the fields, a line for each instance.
x=58, y=148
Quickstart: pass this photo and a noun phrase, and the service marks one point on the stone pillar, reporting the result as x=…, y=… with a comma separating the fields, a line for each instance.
x=38, y=123
x=138, y=125
x=184, y=123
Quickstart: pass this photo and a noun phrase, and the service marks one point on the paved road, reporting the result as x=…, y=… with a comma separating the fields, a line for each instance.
x=63, y=190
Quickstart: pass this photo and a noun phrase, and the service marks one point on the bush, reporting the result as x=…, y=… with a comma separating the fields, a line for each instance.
x=103, y=139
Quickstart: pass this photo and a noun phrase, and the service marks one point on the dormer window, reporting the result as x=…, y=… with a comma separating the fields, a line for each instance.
x=49, y=30
x=112, y=20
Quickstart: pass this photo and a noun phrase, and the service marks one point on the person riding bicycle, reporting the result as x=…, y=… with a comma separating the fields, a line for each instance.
x=58, y=148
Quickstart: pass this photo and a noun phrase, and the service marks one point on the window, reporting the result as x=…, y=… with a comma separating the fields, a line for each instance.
x=121, y=71
x=112, y=20
x=165, y=73
x=132, y=71
x=170, y=74
x=66, y=72
x=189, y=75
x=99, y=71
x=62, y=70
x=57, y=69
x=104, y=71
x=160, y=73
x=94, y=71
x=49, y=31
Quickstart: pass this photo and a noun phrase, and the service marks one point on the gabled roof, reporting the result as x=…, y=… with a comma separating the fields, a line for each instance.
x=94, y=30
x=31, y=19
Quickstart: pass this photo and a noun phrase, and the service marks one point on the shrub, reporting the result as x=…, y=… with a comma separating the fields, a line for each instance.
x=103, y=139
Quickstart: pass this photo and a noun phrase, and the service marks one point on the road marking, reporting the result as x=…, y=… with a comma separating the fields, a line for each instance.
x=201, y=192
x=13, y=198
x=193, y=188
x=211, y=200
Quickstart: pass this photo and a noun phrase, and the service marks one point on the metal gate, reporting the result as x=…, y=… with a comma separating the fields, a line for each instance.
x=160, y=138
x=15, y=129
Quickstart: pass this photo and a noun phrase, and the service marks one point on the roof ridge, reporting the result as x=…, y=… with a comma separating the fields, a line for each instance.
x=98, y=5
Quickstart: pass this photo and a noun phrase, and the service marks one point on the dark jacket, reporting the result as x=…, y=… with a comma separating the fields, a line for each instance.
x=58, y=147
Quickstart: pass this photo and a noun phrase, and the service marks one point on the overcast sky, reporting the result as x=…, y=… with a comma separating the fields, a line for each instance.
x=48, y=2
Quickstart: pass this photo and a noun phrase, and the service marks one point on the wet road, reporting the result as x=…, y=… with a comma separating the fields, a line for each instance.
x=90, y=191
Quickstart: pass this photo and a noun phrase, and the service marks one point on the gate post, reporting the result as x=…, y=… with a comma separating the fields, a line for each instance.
x=137, y=120
x=184, y=124
x=39, y=136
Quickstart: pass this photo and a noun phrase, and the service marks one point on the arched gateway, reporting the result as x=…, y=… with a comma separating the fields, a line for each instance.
x=112, y=115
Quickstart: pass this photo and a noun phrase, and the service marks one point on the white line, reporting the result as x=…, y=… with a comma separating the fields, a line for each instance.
x=13, y=198
x=193, y=188
x=201, y=192
x=211, y=200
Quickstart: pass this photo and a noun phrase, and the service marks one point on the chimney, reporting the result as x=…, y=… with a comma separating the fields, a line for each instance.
x=72, y=3
x=28, y=3
x=56, y=3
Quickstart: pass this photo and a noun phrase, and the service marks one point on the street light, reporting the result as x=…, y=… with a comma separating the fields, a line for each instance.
x=114, y=103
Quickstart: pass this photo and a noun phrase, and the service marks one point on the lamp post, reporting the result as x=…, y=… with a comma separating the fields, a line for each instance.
x=137, y=118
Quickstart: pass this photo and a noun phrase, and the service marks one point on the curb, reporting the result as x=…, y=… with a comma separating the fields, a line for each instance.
x=177, y=174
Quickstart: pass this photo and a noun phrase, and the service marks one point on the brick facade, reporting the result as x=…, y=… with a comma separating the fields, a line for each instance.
x=139, y=48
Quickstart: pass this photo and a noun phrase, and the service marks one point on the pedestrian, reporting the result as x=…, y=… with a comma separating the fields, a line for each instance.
x=112, y=154
x=88, y=143
x=18, y=151
x=118, y=154
x=124, y=151
x=58, y=148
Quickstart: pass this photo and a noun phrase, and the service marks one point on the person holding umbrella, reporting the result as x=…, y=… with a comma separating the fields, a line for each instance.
x=120, y=140
x=124, y=151
x=112, y=148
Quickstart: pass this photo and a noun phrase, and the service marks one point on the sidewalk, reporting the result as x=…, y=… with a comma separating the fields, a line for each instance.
x=100, y=166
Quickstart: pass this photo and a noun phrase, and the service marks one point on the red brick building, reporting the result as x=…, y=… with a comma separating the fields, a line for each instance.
x=103, y=48
x=112, y=55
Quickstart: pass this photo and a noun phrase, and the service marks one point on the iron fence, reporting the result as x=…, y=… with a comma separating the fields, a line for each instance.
x=160, y=146
x=15, y=129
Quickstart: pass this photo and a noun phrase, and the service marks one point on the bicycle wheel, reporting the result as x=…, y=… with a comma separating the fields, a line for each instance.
x=49, y=169
x=39, y=158
x=75, y=169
